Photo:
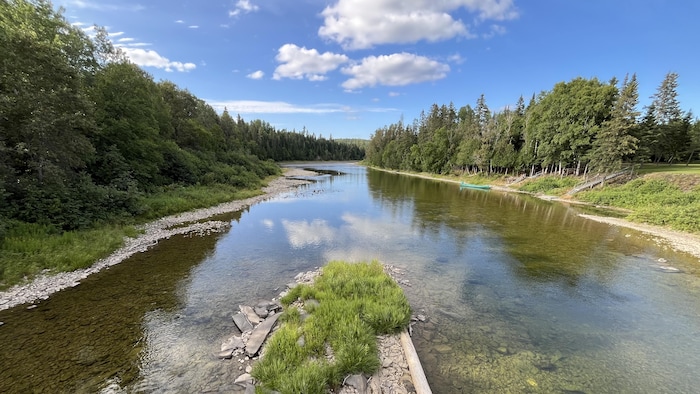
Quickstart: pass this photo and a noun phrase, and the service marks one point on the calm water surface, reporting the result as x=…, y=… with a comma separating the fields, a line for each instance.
x=520, y=295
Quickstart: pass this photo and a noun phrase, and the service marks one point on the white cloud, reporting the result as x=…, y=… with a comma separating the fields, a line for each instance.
x=302, y=233
x=394, y=94
x=299, y=63
x=116, y=34
x=496, y=30
x=275, y=107
x=193, y=27
x=125, y=39
x=398, y=69
x=456, y=58
x=150, y=58
x=268, y=223
x=102, y=6
x=179, y=21
x=137, y=44
x=256, y=75
x=358, y=24
x=243, y=7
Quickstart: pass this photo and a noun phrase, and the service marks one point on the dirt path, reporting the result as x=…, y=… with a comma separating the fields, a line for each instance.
x=44, y=285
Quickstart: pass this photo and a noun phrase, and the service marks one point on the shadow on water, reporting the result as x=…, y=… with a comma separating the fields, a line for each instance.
x=83, y=337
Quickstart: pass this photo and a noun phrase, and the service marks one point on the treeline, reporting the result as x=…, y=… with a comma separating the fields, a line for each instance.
x=84, y=134
x=264, y=141
x=578, y=126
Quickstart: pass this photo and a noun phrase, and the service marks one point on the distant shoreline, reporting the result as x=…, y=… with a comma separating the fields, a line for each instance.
x=680, y=241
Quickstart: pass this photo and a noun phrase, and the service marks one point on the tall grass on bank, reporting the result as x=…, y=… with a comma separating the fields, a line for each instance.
x=28, y=249
x=654, y=201
x=347, y=306
x=185, y=198
x=551, y=184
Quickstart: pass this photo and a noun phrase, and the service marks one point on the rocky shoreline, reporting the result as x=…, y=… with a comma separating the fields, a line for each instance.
x=191, y=222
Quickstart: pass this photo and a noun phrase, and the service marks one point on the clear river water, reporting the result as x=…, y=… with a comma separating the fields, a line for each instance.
x=521, y=295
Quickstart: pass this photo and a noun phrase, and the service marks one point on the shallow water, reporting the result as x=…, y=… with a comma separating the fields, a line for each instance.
x=520, y=295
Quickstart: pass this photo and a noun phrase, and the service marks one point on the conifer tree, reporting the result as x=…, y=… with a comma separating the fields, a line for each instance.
x=615, y=140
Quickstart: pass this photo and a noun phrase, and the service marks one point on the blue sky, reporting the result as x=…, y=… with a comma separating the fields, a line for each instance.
x=344, y=68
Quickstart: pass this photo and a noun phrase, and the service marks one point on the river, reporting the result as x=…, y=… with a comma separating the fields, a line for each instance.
x=520, y=295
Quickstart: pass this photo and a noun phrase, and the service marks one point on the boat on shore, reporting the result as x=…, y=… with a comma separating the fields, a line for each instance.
x=464, y=185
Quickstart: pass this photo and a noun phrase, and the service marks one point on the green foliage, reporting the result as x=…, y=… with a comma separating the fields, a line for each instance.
x=579, y=125
x=356, y=303
x=552, y=184
x=654, y=201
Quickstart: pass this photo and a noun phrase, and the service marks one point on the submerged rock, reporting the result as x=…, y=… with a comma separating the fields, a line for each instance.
x=242, y=322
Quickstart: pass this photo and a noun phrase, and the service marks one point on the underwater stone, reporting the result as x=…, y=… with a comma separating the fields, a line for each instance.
x=242, y=322
x=442, y=349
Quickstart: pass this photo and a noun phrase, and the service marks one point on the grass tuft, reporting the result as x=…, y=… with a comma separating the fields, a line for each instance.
x=356, y=302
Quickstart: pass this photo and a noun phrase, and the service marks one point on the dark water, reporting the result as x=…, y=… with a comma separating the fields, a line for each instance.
x=521, y=295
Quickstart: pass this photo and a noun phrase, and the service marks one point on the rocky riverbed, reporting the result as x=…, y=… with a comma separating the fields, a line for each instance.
x=192, y=222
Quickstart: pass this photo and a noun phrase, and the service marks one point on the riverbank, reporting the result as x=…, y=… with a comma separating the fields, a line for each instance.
x=192, y=222
x=679, y=241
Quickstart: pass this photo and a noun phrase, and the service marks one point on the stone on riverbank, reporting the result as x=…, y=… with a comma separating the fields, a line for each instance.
x=259, y=334
x=250, y=314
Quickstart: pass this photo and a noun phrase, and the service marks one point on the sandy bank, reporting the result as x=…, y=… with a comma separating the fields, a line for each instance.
x=44, y=285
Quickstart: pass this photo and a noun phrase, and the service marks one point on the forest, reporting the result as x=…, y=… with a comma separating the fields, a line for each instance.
x=85, y=134
x=576, y=128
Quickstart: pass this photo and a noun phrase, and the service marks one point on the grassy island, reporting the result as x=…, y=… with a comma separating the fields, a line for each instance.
x=329, y=328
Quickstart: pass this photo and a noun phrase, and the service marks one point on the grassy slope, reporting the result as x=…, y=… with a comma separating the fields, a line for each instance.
x=663, y=195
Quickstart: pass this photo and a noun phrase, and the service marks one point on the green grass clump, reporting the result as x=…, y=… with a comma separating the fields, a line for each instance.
x=28, y=249
x=551, y=184
x=654, y=201
x=356, y=302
